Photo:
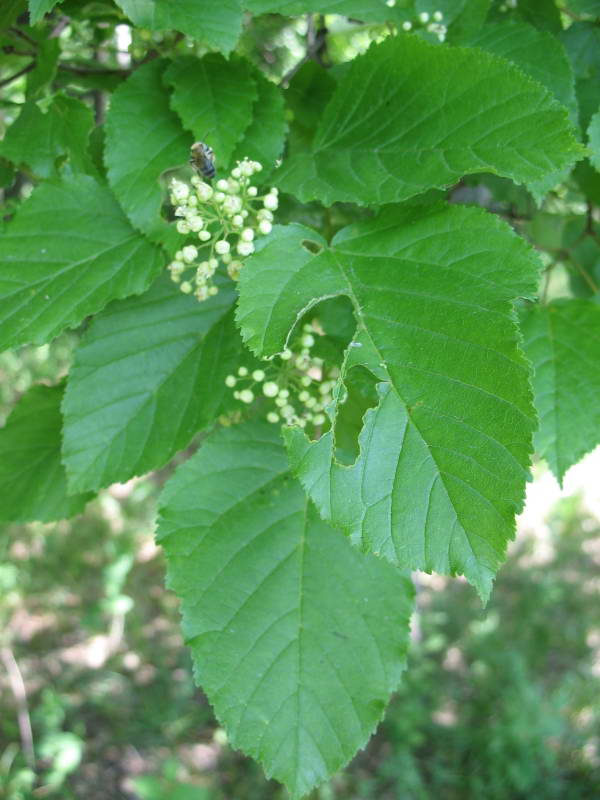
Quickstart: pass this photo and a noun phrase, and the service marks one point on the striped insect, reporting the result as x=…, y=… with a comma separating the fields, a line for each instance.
x=202, y=160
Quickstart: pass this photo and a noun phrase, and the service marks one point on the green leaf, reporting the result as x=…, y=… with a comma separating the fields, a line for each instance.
x=444, y=456
x=44, y=141
x=308, y=93
x=298, y=640
x=582, y=43
x=144, y=138
x=591, y=7
x=467, y=22
x=264, y=138
x=9, y=11
x=38, y=8
x=66, y=254
x=33, y=485
x=562, y=339
x=217, y=24
x=214, y=99
x=539, y=54
x=542, y=14
x=594, y=140
x=46, y=64
x=417, y=126
x=148, y=375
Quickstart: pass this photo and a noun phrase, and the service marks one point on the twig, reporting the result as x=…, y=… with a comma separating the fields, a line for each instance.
x=17, y=686
x=586, y=276
x=18, y=74
x=316, y=46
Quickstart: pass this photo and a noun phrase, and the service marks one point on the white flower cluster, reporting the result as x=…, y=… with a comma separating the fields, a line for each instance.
x=294, y=383
x=431, y=22
x=224, y=221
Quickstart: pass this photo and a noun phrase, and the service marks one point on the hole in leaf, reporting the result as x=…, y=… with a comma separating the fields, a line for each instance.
x=361, y=386
x=312, y=247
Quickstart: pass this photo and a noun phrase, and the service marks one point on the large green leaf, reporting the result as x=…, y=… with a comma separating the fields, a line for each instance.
x=562, y=339
x=444, y=456
x=43, y=141
x=427, y=115
x=33, y=485
x=214, y=99
x=217, y=24
x=594, y=140
x=148, y=375
x=297, y=639
x=66, y=254
x=538, y=53
x=144, y=137
x=264, y=138
x=365, y=10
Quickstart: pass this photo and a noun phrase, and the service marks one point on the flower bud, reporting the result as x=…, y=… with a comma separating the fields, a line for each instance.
x=271, y=202
x=230, y=381
x=186, y=287
x=245, y=248
x=252, y=191
x=195, y=222
x=258, y=375
x=222, y=247
x=242, y=372
x=272, y=417
x=264, y=226
x=222, y=185
x=204, y=236
x=189, y=253
x=204, y=191
x=270, y=389
x=247, y=235
x=237, y=221
x=183, y=227
x=424, y=17
x=236, y=173
x=286, y=355
x=438, y=16
x=246, y=396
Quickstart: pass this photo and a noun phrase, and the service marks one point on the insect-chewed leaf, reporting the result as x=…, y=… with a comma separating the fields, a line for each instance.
x=422, y=117
x=444, y=456
x=297, y=638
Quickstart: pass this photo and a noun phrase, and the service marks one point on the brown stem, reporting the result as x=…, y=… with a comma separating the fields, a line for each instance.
x=17, y=686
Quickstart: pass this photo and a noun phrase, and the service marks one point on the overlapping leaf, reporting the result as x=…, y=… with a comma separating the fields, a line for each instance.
x=357, y=9
x=149, y=374
x=67, y=253
x=144, y=137
x=562, y=340
x=297, y=639
x=33, y=484
x=214, y=99
x=264, y=138
x=38, y=8
x=409, y=116
x=41, y=141
x=217, y=24
x=444, y=455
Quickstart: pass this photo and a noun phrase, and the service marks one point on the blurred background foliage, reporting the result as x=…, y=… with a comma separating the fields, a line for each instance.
x=499, y=702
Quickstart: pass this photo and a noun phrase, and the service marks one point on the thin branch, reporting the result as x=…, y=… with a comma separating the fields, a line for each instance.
x=18, y=74
x=91, y=71
x=586, y=276
x=17, y=686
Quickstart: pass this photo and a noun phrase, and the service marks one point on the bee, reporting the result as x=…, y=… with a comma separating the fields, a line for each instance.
x=202, y=160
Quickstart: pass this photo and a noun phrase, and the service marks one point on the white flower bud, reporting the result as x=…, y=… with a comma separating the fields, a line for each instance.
x=195, y=222
x=303, y=396
x=219, y=197
x=230, y=381
x=306, y=380
x=280, y=402
x=204, y=236
x=271, y=202
x=424, y=17
x=180, y=191
x=232, y=205
x=237, y=221
x=308, y=340
x=246, y=168
x=264, y=213
x=246, y=396
x=270, y=389
x=311, y=402
x=189, y=253
x=222, y=185
x=186, y=287
x=264, y=226
x=242, y=372
x=256, y=166
x=201, y=293
x=247, y=235
x=180, y=211
x=407, y=26
x=284, y=393
x=233, y=270
x=213, y=263
x=222, y=247
x=288, y=411
x=183, y=227
x=233, y=187
x=245, y=248
x=252, y=191
x=438, y=16
x=286, y=355
x=272, y=417
x=258, y=375
x=318, y=419
x=235, y=173
x=195, y=180
x=244, y=213
x=204, y=191
x=226, y=258
x=213, y=290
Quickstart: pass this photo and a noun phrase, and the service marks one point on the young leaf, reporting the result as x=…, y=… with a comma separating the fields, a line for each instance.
x=264, y=138
x=594, y=140
x=298, y=640
x=417, y=126
x=33, y=485
x=66, y=254
x=144, y=138
x=217, y=24
x=149, y=374
x=444, y=455
x=562, y=340
x=214, y=99
x=41, y=140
